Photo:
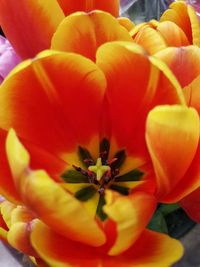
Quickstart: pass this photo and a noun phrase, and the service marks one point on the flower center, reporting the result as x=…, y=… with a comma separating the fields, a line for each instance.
x=104, y=173
x=100, y=175
x=99, y=169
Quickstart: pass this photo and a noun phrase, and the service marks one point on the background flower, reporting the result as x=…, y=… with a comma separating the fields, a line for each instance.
x=29, y=26
x=8, y=58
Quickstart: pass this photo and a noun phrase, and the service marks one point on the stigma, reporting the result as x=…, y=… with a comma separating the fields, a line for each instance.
x=99, y=169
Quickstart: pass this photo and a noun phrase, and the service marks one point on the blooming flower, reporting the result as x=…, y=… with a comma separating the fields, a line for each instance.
x=195, y=4
x=30, y=26
x=8, y=58
x=185, y=64
x=178, y=26
x=73, y=194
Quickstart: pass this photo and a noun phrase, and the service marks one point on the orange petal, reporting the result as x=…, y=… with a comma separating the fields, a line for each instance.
x=150, y=39
x=131, y=215
x=195, y=25
x=126, y=23
x=7, y=187
x=19, y=238
x=171, y=156
x=40, y=159
x=178, y=14
x=192, y=94
x=6, y=212
x=172, y=34
x=51, y=116
x=186, y=18
x=48, y=200
x=83, y=33
x=189, y=183
x=19, y=229
x=29, y=25
x=3, y=235
x=183, y=61
x=130, y=99
x=151, y=250
x=71, y=6
x=191, y=205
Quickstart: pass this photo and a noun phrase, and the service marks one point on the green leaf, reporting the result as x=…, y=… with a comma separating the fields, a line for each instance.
x=168, y=208
x=134, y=175
x=73, y=177
x=120, y=189
x=158, y=223
x=178, y=223
x=86, y=193
x=100, y=213
x=84, y=154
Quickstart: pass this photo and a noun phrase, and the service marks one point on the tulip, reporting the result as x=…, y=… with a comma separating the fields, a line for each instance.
x=8, y=58
x=185, y=64
x=178, y=26
x=195, y=4
x=30, y=26
x=78, y=168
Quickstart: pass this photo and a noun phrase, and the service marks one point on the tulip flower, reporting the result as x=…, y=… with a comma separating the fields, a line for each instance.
x=178, y=26
x=30, y=26
x=76, y=168
x=185, y=64
x=184, y=15
x=8, y=58
x=195, y=4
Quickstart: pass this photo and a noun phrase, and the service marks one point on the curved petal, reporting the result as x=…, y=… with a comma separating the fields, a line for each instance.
x=186, y=18
x=18, y=237
x=150, y=250
x=194, y=20
x=172, y=34
x=40, y=159
x=19, y=231
x=136, y=83
x=7, y=187
x=171, y=156
x=48, y=200
x=191, y=204
x=6, y=211
x=53, y=112
x=192, y=94
x=150, y=39
x=83, y=33
x=126, y=23
x=29, y=25
x=71, y=6
x=189, y=183
x=3, y=233
x=131, y=215
x=183, y=61
x=179, y=15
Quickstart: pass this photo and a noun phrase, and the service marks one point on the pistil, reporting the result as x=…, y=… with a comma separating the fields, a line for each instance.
x=99, y=169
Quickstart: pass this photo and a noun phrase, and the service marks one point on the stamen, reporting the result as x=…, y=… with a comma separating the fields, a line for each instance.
x=101, y=191
x=78, y=169
x=109, y=162
x=89, y=161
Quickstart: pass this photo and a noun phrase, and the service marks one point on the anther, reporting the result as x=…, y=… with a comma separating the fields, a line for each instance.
x=109, y=162
x=89, y=161
x=101, y=191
